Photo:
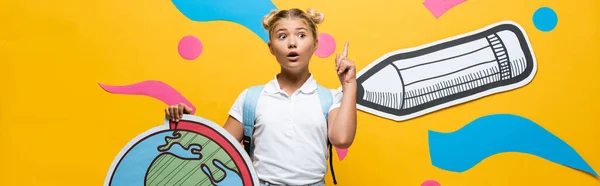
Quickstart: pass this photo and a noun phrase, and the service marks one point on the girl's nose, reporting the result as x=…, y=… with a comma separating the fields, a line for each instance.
x=292, y=43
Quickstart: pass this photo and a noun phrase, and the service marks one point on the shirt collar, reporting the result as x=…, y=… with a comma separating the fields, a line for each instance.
x=308, y=87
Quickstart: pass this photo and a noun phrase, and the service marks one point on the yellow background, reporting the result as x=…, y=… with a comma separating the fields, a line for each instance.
x=58, y=127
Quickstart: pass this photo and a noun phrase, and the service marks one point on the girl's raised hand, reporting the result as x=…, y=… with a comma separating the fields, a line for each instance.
x=346, y=70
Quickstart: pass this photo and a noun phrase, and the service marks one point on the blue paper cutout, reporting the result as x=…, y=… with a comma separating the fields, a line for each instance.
x=545, y=19
x=248, y=13
x=489, y=135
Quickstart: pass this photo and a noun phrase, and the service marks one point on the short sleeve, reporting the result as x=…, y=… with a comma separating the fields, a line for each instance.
x=337, y=98
x=236, y=110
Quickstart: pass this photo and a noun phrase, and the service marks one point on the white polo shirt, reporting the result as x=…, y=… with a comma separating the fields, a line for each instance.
x=290, y=133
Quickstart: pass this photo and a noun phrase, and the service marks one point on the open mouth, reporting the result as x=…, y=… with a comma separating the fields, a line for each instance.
x=293, y=56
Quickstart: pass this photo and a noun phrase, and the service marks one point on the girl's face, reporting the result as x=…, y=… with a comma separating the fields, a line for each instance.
x=292, y=44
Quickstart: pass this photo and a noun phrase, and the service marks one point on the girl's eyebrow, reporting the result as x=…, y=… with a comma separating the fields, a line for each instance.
x=283, y=29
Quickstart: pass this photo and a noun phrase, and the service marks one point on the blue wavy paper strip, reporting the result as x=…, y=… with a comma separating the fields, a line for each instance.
x=248, y=13
x=460, y=150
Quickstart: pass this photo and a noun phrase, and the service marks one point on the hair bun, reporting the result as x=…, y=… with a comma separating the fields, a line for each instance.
x=315, y=15
x=266, y=21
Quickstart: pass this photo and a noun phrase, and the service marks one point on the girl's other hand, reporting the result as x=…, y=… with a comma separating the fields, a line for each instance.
x=175, y=112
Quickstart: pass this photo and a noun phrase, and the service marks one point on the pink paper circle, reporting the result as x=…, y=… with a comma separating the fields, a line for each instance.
x=430, y=183
x=189, y=47
x=326, y=45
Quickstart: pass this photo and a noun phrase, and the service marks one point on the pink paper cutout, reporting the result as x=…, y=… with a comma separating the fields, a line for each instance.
x=326, y=45
x=189, y=47
x=151, y=88
x=341, y=153
x=430, y=183
x=439, y=7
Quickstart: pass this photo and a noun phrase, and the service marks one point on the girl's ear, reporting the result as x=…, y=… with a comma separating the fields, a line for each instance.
x=270, y=47
x=316, y=45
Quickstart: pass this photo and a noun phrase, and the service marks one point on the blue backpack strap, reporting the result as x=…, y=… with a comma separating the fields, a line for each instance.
x=326, y=100
x=249, y=111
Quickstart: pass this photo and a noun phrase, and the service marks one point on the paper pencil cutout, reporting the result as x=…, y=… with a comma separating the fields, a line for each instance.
x=408, y=83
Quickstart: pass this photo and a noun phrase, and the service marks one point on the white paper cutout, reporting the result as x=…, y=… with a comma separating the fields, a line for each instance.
x=194, y=151
x=408, y=83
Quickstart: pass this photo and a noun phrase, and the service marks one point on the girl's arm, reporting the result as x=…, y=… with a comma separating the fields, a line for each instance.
x=342, y=120
x=235, y=128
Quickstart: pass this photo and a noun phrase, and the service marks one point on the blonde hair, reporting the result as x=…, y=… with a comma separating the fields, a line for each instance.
x=311, y=17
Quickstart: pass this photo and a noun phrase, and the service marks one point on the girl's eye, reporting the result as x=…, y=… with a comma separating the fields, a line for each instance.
x=302, y=35
x=281, y=36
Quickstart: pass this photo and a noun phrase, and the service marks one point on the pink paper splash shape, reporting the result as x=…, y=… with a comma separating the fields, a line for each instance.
x=151, y=88
x=439, y=7
x=341, y=153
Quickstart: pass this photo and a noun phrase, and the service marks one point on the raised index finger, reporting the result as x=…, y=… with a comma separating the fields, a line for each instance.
x=345, y=53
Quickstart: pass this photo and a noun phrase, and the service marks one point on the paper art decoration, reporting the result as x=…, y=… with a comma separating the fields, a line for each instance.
x=408, y=83
x=545, y=19
x=189, y=47
x=151, y=88
x=326, y=45
x=486, y=136
x=194, y=151
x=342, y=153
x=439, y=7
x=430, y=183
x=246, y=13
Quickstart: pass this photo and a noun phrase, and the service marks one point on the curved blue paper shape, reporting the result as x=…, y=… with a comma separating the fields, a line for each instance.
x=489, y=135
x=248, y=13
